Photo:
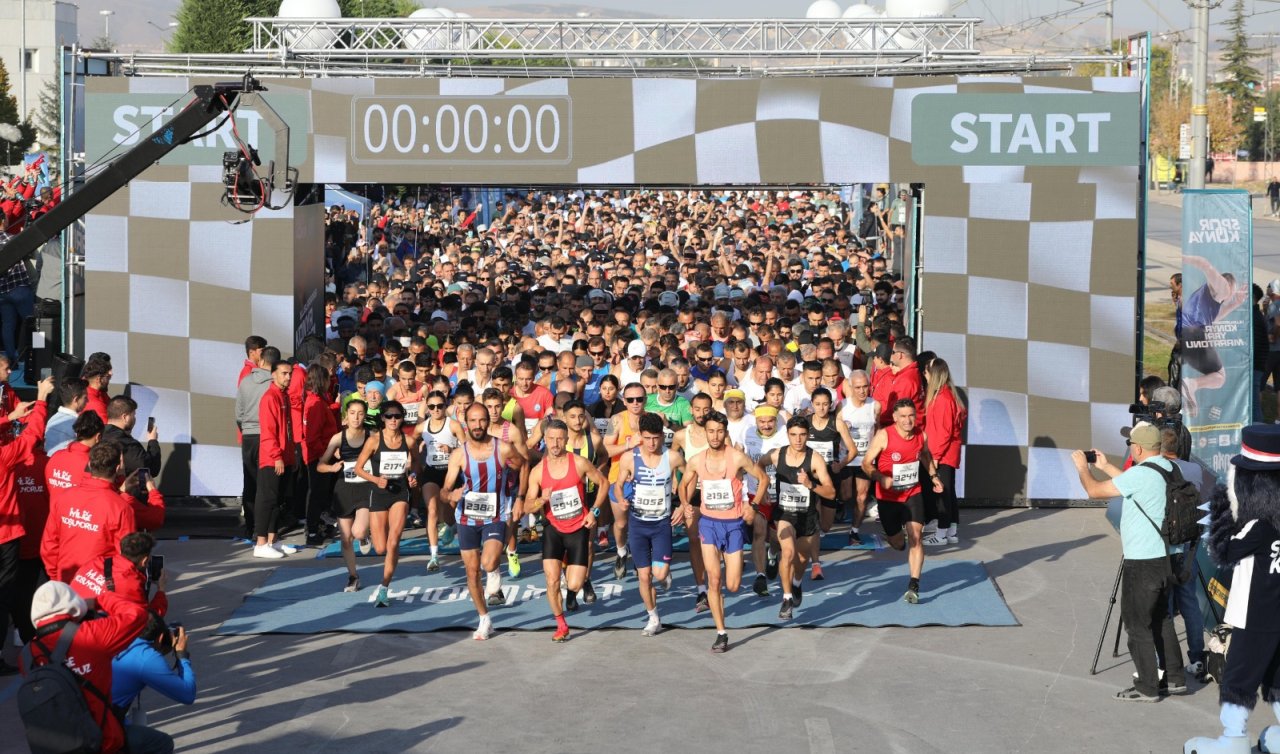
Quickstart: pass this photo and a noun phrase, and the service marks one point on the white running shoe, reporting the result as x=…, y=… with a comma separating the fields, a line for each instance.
x=872, y=512
x=652, y=627
x=267, y=551
x=284, y=549
x=934, y=539
x=666, y=581
x=484, y=631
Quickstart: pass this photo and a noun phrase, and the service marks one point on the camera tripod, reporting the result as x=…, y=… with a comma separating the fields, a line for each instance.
x=1106, y=621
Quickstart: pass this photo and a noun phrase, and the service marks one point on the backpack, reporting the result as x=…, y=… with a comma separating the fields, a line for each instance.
x=1181, y=515
x=52, y=704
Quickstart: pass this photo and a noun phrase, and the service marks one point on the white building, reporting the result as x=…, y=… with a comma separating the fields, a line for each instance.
x=34, y=31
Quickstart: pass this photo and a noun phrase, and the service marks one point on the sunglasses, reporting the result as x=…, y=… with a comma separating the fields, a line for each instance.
x=435, y=406
x=393, y=417
x=666, y=387
x=596, y=353
x=634, y=399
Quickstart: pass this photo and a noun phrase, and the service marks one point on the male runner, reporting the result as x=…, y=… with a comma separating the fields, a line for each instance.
x=691, y=440
x=483, y=510
x=585, y=441
x=622, y=438
x=758, y=441
x=800, y=479
x=556, y=487
x=717, y=473
x=893, y=461
x=650, y=470
x=514, y=478
x=860, y=412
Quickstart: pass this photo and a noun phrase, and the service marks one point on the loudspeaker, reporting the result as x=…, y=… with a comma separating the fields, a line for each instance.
x=41, y=336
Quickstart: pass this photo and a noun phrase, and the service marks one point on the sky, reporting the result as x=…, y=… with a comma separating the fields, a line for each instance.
x=1077, y=21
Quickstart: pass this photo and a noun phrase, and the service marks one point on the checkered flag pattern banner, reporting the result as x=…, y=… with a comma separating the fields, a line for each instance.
x=1028, y=287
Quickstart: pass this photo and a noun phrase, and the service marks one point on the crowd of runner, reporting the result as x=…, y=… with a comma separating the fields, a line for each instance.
x=600, y=369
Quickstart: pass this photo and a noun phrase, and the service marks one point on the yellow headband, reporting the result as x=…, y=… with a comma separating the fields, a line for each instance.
x=766, y=411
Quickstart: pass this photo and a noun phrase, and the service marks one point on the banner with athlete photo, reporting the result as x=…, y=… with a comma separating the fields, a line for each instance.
x=1215, y=323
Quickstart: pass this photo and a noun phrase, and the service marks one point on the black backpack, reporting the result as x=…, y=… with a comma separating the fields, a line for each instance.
x=1181, y=515
x=52, y=705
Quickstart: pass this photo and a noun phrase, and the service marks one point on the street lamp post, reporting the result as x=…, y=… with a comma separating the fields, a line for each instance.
x=106, y=22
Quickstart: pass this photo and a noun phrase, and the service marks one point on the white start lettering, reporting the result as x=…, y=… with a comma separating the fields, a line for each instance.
x=1275, y=558
x=1019, y=133
x=133, y=121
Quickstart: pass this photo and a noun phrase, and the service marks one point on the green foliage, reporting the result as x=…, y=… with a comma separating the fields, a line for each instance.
x=217, y=26
x=377, y=8
x=1240, y=79
x=9, y=115
x=49, y=116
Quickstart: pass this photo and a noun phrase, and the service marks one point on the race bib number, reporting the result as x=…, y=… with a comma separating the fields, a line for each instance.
x=906, y=475
x=566, y=504
x=529, y=424
x=650, y=501
x=861, y=440
x=438, y=455
x=793, y=498
x=393, y=463
x=717, y=495
x=349, y=472
x=602, y=426
x=411, y=413
x=668, y=435
x=826, y=449
x=772, y=473
x=480, y=504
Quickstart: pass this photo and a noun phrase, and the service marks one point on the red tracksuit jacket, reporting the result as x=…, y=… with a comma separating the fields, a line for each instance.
x=130, y=582
x=33, y=502
x=85, y=522
x=319, y=425
x=12, y=453
x=276, y=440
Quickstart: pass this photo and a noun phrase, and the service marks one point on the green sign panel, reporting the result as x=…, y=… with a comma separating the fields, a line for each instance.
x=119, y=121
x=1025, y=129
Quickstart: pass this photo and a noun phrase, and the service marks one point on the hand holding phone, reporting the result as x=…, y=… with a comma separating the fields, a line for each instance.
x=1091, y=456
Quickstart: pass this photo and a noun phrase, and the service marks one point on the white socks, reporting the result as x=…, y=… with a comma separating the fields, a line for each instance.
x=702, y=588
x=951, y=530
x=435, y=550
x=653, y=614
x=622, y=551
x=1235, y=720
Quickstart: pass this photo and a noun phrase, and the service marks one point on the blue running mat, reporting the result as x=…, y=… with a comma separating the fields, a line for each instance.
x=863, y=592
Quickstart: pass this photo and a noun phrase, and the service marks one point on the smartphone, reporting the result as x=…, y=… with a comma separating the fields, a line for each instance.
x=1091, y=456
x=46, y=373
x=155, y=567
x=151, y=423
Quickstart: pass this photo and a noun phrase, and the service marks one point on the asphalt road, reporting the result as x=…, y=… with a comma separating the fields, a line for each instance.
x=1164, y=227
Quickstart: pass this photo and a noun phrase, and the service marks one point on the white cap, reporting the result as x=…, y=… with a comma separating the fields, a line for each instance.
x=439, y=314
x=636, y=348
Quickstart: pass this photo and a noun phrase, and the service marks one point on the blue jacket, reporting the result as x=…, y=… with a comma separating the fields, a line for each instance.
x=141, y=665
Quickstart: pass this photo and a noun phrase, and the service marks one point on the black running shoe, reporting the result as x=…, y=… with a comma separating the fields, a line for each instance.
x=797, y=594
x=722, y=644
x=912, y=596
x=497, y=599
x=588, y=592
x=771, y=566
x=314, y=539
x=702, y=605
x=785, y=612
x=571, y=602
x=761, y=585
x=854, y=538
x=620, y=567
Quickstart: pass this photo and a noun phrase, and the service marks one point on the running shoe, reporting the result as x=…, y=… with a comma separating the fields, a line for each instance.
x=816, y=572
x=620, y=567
x=771, y=564
x=445, y=534
x=652, y=627
x=722, y=644
x=433, y=565
x=666, y=581
x=571, y=602
x=497, y=599
x=935, y=539
x=953, y=538
x=797, y=594
x=353, y=584
x=912, y=596
x=314, y=539
x=855, y=538
x=267, y=551
x=415, y=521
x=761, y=585
x=283, y=548
x=702, y=605
x=602, y=541
x=381, y=600
x=785, y=612
x=484, y=631
x=513, y=564
x=561, y=635
x=364, y=546
x=588, y=592
x=873, y=511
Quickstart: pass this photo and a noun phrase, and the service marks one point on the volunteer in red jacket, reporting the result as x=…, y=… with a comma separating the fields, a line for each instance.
x=66, y=468
x=97, y=372
x=556, y=488
x=33, y=504
x=895, y=460
x=277, y=462
x=12, y=453
x=905, y=380
x=128, y=575
x=55, y=607
x=319, y=425
x=944, y=426
x=89, y=521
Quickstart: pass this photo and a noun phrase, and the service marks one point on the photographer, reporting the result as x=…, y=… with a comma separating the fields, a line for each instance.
x=1144, y=601
x=1162, y=407
x=144, y=664
x=132, y=574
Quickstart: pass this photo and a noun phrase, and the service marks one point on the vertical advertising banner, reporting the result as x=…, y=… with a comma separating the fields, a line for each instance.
x=1216, y=322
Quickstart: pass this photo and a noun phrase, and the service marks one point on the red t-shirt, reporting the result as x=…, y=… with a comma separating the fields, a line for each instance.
x=568, y=497
x=900, y=461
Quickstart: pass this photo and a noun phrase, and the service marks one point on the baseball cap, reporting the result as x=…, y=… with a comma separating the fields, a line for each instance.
x=1144, y=435
x=585, y=361
x=669, y=298
x=636, y=348
x=721, y=291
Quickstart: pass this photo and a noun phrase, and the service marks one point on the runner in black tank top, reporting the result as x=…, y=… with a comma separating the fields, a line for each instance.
x=831, y=442
x=351, y=493
x=393, y=458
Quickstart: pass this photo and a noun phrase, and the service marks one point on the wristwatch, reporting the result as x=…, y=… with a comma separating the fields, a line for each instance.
x=595, y=512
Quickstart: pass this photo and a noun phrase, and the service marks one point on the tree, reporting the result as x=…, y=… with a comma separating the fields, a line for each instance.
x=217, y=26
x=1240, y=79
x=48, y=119
x=1168, y=115
x=377, y=8
x=9, y=116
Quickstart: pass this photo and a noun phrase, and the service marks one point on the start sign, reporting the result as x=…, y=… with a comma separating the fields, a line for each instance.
x=1024, y=129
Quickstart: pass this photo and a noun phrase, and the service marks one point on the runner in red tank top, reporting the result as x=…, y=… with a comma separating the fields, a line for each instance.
x=556, y=487
x=894, y=461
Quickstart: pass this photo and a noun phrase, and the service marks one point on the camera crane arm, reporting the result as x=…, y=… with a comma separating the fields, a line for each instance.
x=211, y=101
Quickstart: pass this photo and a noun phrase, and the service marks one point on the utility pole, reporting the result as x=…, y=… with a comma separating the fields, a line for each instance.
x=1110, y=13
x=1199, y=99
